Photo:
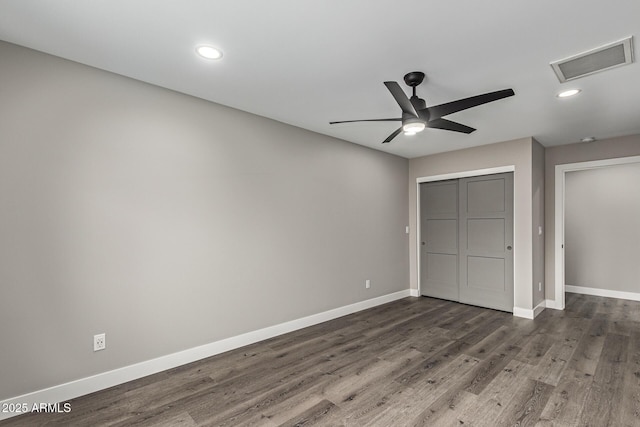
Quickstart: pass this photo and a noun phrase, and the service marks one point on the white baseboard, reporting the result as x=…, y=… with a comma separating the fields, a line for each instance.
x=73, y=389
x=549, y=303
x=528, y=313
x=539, y=308
x=414, y=292
x=633, y=296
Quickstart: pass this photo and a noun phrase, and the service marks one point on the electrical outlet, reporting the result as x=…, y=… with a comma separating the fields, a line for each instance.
x=99, y=342
x=367, y=284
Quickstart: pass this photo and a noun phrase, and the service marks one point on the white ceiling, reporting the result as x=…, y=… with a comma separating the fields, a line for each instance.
x=310, y=62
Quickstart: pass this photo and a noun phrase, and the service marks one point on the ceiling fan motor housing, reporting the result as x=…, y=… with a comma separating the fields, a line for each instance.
x=418, y=103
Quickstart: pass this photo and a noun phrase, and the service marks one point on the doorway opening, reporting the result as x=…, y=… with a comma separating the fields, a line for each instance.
x=559, y=220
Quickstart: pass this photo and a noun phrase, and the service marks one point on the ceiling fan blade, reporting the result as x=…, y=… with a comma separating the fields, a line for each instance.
x=401, y=98
x=442, y=110
x=449, y=125
x=393, y=135
x=368, y=120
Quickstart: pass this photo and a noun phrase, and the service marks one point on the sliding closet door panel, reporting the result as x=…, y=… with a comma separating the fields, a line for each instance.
x=486, y=235
x=486, y=240
x=485, y=273
x=442, y=197
x=485, y=196
x=443, y=236
x=439, y=239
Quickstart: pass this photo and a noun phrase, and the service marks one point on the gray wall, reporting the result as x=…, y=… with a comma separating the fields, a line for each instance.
x=517, y=153
x=170, y=222
x=602, y=228
x=574, y=153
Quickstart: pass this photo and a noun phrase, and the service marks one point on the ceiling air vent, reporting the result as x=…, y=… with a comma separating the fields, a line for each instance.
x=602, y=58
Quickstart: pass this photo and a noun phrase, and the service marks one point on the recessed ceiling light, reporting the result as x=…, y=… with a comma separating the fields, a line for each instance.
x=588, y=139
x=568, y=93
x=209, y=52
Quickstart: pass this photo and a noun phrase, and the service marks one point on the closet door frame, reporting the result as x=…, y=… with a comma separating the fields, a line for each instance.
x=448, y=176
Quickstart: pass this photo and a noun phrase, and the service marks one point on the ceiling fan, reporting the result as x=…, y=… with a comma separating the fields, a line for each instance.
x=416, y=115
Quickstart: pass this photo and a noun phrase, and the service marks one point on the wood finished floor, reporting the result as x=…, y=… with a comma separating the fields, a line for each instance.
x=413, y=362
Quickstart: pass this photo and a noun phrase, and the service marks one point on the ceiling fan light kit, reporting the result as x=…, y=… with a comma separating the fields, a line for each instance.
x=416, y=116
x=413, y=125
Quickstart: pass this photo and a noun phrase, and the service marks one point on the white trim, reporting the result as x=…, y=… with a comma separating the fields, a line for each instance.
x=414, y=292
x=444, y=177
x=560, y=173
x=528, y=313
x=559, y=238
x=73, y=389
x=539, y=308
x=466, y=174
x=633, y=296
x=549, y=303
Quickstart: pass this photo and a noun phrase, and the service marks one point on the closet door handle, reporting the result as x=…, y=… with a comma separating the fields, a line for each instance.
x=508, y=248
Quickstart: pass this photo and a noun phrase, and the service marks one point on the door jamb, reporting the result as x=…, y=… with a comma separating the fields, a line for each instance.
x=456, y=175
x=560, y=174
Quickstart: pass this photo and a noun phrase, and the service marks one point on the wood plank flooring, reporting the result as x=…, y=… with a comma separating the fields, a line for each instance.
x=413, y=362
